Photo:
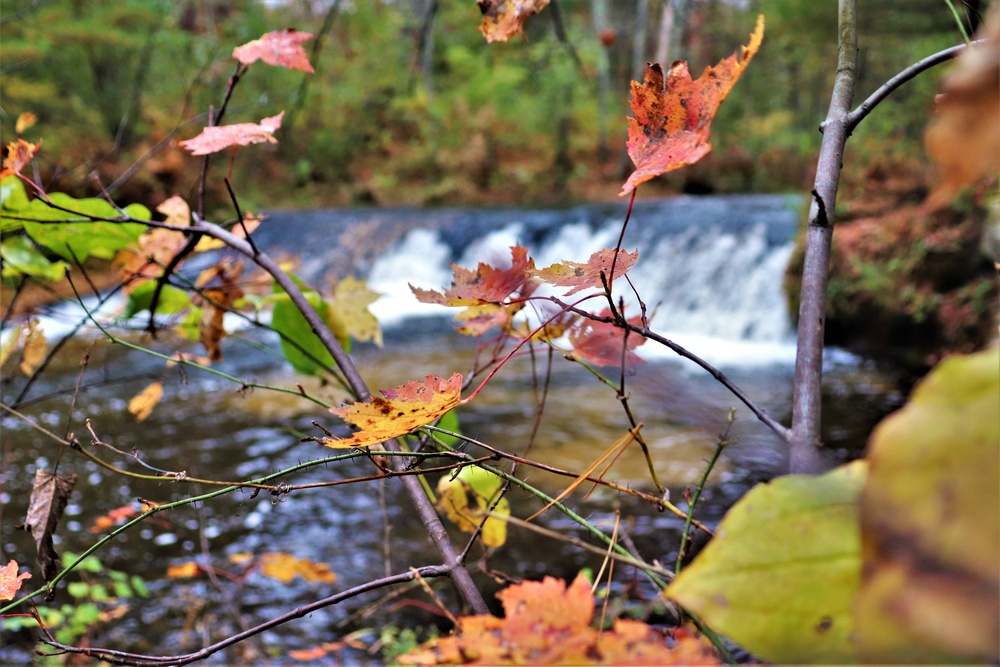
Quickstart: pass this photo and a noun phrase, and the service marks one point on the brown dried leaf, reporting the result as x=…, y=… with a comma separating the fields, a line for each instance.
x=215, y=139
x=282, y=48
x=10, y=580
x=48, y=500
x=142, y=404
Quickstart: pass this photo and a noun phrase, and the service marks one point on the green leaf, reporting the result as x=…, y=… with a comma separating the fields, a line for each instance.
x=122, y=589
x=91, y=564
x=781, y=574
x=139, y=586
x=310, y=356
x=449, y=422
x=20, y=256
x=13, y=198
x=98, y=593
x=82, y=239
x=78, y=589
x=172, y=300
x=930, y=521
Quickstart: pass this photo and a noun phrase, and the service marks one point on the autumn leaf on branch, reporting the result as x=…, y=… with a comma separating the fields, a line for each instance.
x=282, y=48
x=215, y=139
x=546, y=623
x=398, y=411
x=10, y=580
x=582, y=276
x=19, y=154
x=672, y=120
x=502, y=19
x=487, y=284
x=600, y=343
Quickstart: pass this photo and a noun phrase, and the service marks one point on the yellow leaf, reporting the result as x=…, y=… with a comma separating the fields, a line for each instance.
x=250, y=223
x=176, y=210
x=930, y=521
x=398, y=411
x=285, y=567
x=142, y=404
x=13, y=342
x=35, y=347
x=25, y=121
x=351, y=299
x=455, y=495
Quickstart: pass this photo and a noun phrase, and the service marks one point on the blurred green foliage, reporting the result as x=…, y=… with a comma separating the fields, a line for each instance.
x=505, y=123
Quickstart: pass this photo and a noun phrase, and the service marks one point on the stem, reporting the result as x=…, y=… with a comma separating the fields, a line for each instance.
x=806, y=399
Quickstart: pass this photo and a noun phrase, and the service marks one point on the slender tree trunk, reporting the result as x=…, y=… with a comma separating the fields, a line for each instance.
x=639, y=40
x=806, y=400
x=663, y=43
x=600, y=11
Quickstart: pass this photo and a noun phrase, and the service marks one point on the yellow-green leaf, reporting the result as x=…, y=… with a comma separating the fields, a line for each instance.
x=351, y=299
x=930, y=521
x=781, y=574
x=466, y=499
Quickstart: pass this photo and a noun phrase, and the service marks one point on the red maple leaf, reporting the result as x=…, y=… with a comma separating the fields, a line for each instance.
x=282, y=48
x=581, y=276
x=215, y=139
x=487, y=284
x=672, y=120
x=600, y=343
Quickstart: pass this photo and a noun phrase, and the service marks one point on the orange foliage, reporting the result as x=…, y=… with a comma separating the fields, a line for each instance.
x=10, y=580
x=282, y=48
x=502, y=19
x=215, y=139
x=19, y=154
x=546, y=623
x=581, y=276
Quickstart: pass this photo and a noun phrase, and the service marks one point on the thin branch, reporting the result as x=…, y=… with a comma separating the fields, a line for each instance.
x=895, y=82
x=143, y=660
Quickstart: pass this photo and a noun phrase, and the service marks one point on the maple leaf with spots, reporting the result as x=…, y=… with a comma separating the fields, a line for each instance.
x=397, y=411
x=672, y=118
x=487, y=284
x=582, y=276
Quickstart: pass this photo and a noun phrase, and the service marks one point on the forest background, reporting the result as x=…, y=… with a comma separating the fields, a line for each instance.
x=410, y=106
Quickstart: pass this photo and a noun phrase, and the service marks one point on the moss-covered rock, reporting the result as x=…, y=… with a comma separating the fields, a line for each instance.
x=908, y=283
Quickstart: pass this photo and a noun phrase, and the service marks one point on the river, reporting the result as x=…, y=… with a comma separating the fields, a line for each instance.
x=710, y=268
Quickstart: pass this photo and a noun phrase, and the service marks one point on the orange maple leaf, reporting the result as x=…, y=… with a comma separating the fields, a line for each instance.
x=581, y=276
x=502, y=19
x=672, y=120
x=487, y=284
x=547, y=623
x=600, y=343
x=215, y=139
x=10, y=580
x=282, y=48
x=115, y=516
x=19, y=154
x=398, y=411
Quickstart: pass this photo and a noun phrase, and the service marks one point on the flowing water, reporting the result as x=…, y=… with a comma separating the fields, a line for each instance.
x=710, y=270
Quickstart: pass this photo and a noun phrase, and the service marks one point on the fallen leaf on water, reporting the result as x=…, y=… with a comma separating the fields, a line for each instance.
x=184, y=570
x=142, y=404
x=112, y=518
x=672, y=119
x=285, y=567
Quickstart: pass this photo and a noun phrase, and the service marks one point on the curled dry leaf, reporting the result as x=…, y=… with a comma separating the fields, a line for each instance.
x=398, y=411
x=19, y=154
x=583, y=276
x=215, y=139
x=282, y=48
x=45, y=507
x=503, y=19
x=10, y=580
x=672, y=119
x=142, y=404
